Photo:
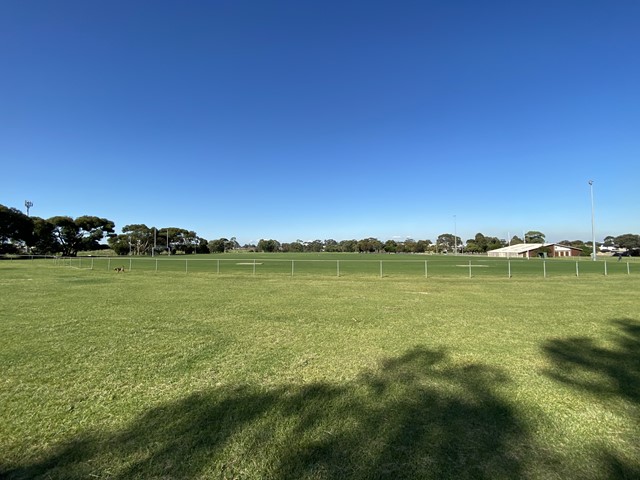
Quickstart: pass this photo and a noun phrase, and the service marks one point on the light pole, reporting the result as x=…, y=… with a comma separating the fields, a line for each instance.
x=455, y=236
x=28, y=204
x=593, y=228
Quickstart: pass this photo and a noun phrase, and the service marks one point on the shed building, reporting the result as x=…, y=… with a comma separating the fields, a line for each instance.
x=528, y=250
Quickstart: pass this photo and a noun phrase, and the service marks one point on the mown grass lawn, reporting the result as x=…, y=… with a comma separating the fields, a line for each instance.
x=168, y=375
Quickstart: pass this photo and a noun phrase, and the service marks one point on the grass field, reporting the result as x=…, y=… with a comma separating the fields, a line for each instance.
x=231, y=374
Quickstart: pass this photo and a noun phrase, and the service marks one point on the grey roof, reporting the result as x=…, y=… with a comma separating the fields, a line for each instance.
x=527, y=247
x=521, y=247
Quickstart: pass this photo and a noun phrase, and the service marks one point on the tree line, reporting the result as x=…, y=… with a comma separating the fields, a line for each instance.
x=64, y=235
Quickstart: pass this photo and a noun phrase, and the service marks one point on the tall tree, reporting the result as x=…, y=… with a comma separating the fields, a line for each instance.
x=421, y=246
x=534, y=236
x=447, y=242
x=628, y=241
x=231, y=244
x=119, y=244
x=16, y=229
x=515, y=240
x=348, y=246
x=369, y=245
x=83, y=233
x=44, y=241
x=330, y=245
x=268, y=245
x=140, y=237
x=390, y=246
x=217, y=246
x=314, y=246
x=409, y=245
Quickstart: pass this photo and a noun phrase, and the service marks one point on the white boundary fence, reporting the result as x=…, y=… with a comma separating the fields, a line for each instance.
x=442, y=267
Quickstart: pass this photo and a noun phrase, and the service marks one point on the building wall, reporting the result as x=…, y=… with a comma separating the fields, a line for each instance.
x=560, y=251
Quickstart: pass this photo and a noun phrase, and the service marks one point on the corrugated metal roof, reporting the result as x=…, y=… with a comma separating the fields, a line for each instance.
x=521, y=248
x=527, y=247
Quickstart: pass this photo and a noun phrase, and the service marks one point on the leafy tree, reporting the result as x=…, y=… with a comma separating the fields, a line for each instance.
x=407, y=246
x=16, y=229
x=231, y=244
x=515, y=240
x=83, y=233
x=268, y=245
x=482, y=244
x=119, y=244
x=186, y=240
x=421, y=246
x=217, y=246
x=331, y=245
x=390, y=246
x=202, y=245
x=43, y=239
x=67, y=234
x=174, y=239
x=494, y=242
x=472, y=246
x=447, y=242
x=480, y=241
x=628, y=241
x=370, y=245
x=348, y=246
x=533, y=236
x=141, y=238
x=296, y=247
x=314, y=246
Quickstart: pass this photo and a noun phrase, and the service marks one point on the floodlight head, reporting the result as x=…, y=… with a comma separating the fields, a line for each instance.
x=590, y=182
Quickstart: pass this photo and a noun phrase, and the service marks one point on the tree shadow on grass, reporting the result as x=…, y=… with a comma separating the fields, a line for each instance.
x=417, y=416
x=610, y=373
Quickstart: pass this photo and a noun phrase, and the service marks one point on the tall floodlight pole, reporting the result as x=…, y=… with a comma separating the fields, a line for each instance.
x=593, y=228
x=455, y=236
x=153, y=252
x=28, y=204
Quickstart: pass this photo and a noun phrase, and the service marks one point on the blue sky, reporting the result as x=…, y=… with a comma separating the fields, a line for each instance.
x=316, y=120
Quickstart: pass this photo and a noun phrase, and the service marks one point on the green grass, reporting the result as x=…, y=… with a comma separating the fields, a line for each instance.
x=234, y=375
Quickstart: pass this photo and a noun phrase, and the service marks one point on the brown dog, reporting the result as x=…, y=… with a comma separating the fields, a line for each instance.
x=119, y=269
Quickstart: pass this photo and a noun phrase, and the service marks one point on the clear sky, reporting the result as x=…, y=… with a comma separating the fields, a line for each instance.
x=325, y=119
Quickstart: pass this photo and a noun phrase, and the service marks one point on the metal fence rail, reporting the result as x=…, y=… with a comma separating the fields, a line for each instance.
x=469, y=267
